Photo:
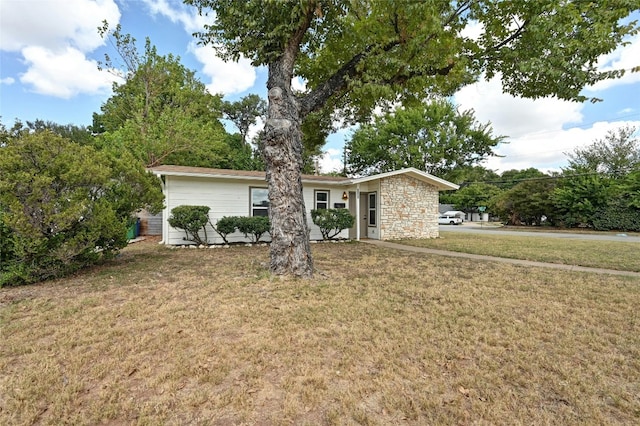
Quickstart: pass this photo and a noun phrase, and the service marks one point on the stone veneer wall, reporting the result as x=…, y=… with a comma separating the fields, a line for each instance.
x=409, y=208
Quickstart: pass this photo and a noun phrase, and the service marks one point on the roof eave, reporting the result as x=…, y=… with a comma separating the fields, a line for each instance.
x=441, y=184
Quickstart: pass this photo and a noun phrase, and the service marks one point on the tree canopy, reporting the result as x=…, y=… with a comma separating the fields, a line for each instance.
x=162, y=113
x=617, y=154
x=434, y=137
x=527, y=203
x=79, y=134
x=358, y=55
x=602, y=183
x=244, y=113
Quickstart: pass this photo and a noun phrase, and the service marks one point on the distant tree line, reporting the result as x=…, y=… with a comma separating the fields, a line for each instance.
x=599, y=189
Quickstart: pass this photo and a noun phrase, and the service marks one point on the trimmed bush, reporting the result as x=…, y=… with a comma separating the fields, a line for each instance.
x=332, y=221
x=253, y=227
x=225, y=226
x=191, y=219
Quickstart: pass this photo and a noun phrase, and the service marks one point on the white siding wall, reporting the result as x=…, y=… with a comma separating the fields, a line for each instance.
x=229, y=198
x=224, y=197
x=335, y=196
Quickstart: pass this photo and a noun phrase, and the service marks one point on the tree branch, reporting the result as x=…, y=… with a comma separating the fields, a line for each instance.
x=292, y=48
x=512, y=37
x=338, y=81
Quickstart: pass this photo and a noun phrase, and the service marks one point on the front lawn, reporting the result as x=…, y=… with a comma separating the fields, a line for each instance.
x=623, y=256
x=207, y=336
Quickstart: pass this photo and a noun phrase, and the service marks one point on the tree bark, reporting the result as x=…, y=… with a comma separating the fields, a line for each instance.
x=290, y=249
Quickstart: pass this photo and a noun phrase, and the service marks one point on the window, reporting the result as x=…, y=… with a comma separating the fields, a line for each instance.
x=372, y=209
x=321, y=200
x=259, y=202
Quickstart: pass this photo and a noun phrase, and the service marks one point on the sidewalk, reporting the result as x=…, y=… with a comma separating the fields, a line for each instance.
x=396, y=246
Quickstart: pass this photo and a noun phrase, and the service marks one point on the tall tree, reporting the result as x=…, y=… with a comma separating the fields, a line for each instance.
x=617, y=154
x=600, y=188
x=580, y=194
x=464, y=176
x=245, y=113
x=433, y=136
x=357, y=55
x=161, y=112
x=470, y=174
x=78, y=134
x=470, y=197
x=510, y=178
x=527, y=203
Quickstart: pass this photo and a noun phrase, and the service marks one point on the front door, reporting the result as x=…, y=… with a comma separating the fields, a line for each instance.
x=365, y=210
x=372, y=214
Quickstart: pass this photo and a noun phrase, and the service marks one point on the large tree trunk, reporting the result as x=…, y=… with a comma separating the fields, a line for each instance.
x=290, y=249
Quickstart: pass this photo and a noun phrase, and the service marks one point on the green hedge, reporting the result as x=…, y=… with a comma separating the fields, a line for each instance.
x=617, y=217
x=332, y=221
x=192, y=220
x=65, y=206
x=253, y=227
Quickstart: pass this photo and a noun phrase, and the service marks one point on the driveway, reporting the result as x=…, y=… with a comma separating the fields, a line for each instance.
x=478, y=228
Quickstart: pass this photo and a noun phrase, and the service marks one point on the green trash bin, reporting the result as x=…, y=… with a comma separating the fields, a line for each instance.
x=137, y=225
x=131, y=232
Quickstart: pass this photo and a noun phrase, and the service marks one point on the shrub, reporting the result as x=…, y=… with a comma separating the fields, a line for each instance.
x=225, y=226
x=253, y=227
x=65, y=206
x=332, y=221
x=191, y=219
x=617, y=216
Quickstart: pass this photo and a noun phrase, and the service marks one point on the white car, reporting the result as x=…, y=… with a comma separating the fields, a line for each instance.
x=449, y=220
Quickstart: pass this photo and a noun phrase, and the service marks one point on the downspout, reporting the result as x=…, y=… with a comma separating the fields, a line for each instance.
x=358, y=212
x=165, y=229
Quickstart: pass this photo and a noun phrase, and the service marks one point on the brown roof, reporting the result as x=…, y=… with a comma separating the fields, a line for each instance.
x=209, y=172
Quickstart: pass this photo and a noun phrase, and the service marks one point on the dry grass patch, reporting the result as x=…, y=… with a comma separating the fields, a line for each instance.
x=623, y=256
x=379, y=337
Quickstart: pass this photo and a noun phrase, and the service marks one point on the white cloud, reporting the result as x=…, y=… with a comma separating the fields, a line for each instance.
x=298, y=84
x=539, y=132
x=624, y=57
x=63, y=74
x=514, y=117
x=473, y=30
x=8, y=81
x=547, y=151
x=53, y=38
x=226, y=77
x=52, y=23
x=331, y=161
x=254, y=129
x=177, y=12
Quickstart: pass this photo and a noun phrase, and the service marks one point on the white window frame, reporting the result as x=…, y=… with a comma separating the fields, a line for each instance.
x=253, y=208
x=372, y=212
x=316, y=201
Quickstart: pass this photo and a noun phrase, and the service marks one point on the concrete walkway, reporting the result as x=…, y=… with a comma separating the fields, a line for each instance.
x=478, y=228
x=396, y=246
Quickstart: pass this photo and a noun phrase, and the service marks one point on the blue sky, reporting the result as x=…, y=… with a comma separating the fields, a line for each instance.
x=48, y=70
